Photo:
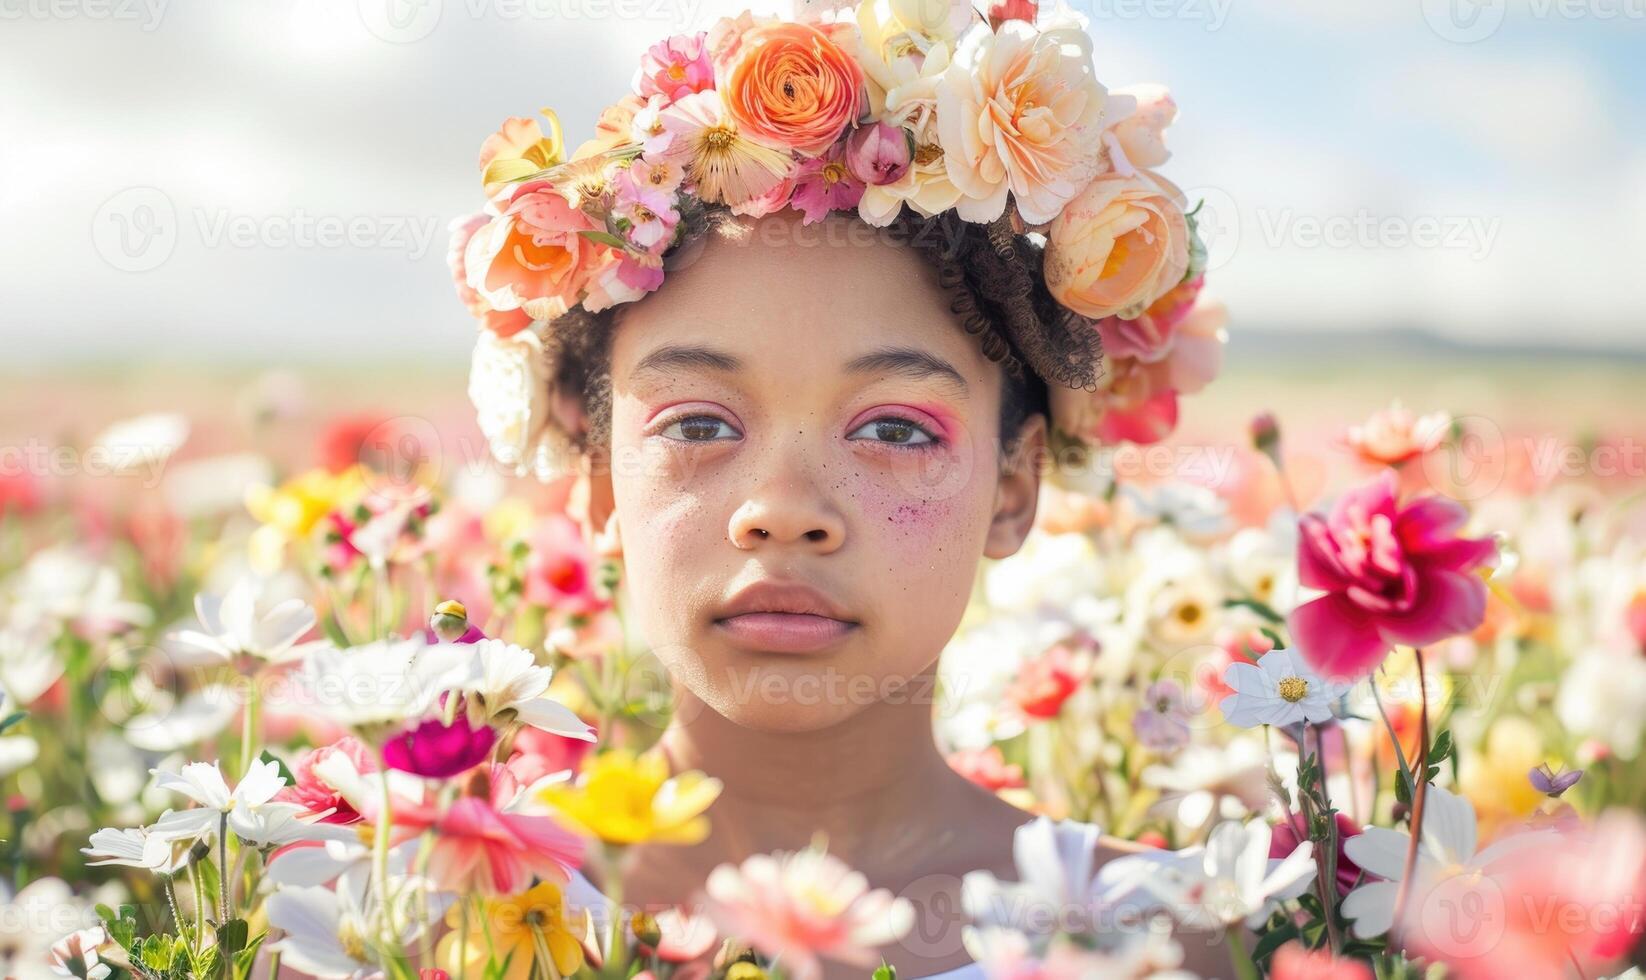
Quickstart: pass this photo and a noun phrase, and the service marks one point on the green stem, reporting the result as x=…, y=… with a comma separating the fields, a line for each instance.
x=223, y=866
x=1244, y=967
x=1420, y=781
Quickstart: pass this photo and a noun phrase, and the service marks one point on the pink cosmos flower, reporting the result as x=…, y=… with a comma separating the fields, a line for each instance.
x=805, y=905
x=316, y=795
x=649, y=211
x=1572, y=899
x=675, y=67
x=439, y=751
x=480, y=847
x=824, y=184
x=1295, y=961
x=1393, y=573
x=560, y=572
x=1394, y=435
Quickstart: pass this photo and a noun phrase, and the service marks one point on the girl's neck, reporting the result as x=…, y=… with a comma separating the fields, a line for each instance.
x=874, y=785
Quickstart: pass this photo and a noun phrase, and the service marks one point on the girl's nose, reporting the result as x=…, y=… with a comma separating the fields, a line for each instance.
x=787, y=511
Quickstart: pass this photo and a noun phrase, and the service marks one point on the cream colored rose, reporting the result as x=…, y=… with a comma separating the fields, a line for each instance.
x=509, y=386
x=1021, y=111
x=1121, y=244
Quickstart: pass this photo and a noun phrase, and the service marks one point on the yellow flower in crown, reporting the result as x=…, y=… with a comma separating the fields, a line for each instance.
x=624, y=798
x=519, y=930
x=290, y=511
x=519, y=150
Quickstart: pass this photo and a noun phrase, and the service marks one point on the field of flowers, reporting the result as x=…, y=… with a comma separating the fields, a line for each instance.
x=247, y=728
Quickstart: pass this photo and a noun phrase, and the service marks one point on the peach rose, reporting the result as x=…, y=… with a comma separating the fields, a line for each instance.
x=1121, y=244
x=791, y=86
x=1020, y=110
x=614, y=128
x=531, y=256
x=1138, y=137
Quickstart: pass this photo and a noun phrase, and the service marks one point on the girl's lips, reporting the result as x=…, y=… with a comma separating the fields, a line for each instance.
x=780, y=632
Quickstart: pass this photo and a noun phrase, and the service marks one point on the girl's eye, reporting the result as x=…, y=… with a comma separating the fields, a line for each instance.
x=899, y=432
x=700, y=428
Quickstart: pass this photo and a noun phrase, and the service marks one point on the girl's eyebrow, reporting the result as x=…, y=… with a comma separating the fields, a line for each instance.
x=911, y=362
x=668, y=359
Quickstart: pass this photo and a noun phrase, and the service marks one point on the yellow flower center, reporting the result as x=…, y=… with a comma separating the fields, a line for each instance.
x=1189, y=613
x=927, y=153
x=677, y=71
x=354, y=944
x=1293, y=689
x=834, y=173
x=719, y=139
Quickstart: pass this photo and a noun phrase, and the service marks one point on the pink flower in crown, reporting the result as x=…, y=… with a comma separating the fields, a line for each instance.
x=649, y=129
x=774, y=199
x=622, y=277
x=675, y=67
x=824, y=184
x=1393, y=573
x=463, y=229
x=878, y=154
x=1149, y=337
x=1136, y=406
x=658, y=174
x=649, y=211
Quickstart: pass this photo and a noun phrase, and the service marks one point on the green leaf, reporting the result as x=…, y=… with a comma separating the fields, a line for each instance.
x=231, y=936
x=1442, y=747
x=285, y=773
x=157, y=953
x=12, y=719
x=1273, y=940
x=605, y=238
x=1261, y=608
x=885, y=971
x=122, y=926
x=246, y=960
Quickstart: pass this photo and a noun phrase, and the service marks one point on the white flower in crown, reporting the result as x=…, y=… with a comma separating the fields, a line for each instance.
x=509, y=386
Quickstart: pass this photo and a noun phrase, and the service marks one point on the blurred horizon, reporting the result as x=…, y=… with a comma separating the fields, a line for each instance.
x=271, y=182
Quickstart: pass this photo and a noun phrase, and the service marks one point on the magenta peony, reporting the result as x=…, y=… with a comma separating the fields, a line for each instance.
x=1393, y=573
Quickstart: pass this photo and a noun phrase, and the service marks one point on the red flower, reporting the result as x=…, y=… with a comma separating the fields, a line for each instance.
x=1044, y=684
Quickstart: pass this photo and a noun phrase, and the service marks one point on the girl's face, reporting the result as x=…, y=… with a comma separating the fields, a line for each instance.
x=806, y=469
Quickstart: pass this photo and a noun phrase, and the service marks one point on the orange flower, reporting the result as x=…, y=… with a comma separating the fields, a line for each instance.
x=531, y=256
x=791, y=86
x=1121, y=244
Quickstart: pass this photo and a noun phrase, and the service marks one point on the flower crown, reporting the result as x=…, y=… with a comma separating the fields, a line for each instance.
x=866, y=109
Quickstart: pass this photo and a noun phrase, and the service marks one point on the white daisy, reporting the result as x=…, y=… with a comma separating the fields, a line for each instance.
x=1279, y=690
x=241, y=624
x=506, y=678
x=1446, y=850
x=134, y=848
x=1231, y=879
x=381, y=683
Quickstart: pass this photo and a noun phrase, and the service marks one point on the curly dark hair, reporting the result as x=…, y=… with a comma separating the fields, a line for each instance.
x=997, y=294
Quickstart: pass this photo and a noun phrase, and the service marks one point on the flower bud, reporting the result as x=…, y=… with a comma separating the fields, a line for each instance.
x=450, y=621
x=878, y=154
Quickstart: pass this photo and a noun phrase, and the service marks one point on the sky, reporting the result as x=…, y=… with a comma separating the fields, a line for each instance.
x=270, y=180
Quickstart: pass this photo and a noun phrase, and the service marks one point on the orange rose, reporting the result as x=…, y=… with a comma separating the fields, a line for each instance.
x=531, y=257
x=1121, y=244
x=791, y=86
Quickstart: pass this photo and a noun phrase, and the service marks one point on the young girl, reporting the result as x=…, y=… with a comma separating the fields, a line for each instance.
x=806, y=442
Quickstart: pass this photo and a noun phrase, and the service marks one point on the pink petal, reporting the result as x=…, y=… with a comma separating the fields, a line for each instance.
x=1447, y=604
x=1336, y=638
x=1317, y=563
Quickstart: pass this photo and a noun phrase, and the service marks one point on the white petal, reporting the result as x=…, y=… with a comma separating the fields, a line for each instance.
x=1448, y=826
x=555, y=718
x=1380, y=851
x=1371, y=908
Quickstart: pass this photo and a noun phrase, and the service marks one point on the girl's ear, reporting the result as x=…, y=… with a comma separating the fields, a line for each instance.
x=1018, y=492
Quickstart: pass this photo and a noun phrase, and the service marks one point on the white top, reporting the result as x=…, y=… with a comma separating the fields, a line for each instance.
x=581, y=893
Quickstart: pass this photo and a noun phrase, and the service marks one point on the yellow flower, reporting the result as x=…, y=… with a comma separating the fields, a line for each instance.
x=1496, y=779
x=520, y=929
x=518, y=150
x=291, y=510
x=623, y=798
